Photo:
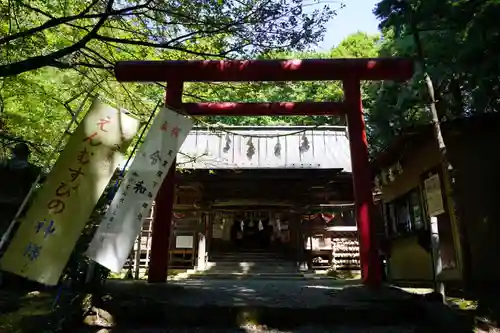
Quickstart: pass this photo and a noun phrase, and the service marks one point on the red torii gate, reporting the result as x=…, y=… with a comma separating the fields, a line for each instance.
x=349, y=71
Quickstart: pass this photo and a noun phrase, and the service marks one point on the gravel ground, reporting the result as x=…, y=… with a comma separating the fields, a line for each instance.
x=280, y=303
x=259, y=292
x=304, y=329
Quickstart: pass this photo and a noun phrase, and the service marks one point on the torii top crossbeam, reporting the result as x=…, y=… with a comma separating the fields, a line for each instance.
x=264, y=70
x=179, y=71
x=349, y=71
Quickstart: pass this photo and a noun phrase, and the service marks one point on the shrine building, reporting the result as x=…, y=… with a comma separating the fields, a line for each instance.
x=414, y=189
x=257, y=193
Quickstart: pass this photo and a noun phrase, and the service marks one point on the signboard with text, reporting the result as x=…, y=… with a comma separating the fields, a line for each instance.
x=122, y=223
x=434, y=195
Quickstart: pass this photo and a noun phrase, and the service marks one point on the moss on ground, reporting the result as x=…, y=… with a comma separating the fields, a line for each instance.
x=18, y=311
x=463, y=304
x=23, y=312
x=123, y=274
x=344, y=275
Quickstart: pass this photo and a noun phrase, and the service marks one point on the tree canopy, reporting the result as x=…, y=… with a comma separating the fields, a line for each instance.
x=54, y=55
x=96, y=33
x=457, y=41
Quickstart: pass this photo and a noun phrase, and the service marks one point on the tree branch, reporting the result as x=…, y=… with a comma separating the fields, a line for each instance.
x=55, y=21
x=66, y=65
x=47, y=25
x=97, y=55
x=51, y=59
x=156, y=45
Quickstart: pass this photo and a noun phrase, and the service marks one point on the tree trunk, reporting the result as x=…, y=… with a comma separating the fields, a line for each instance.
x=446, y=166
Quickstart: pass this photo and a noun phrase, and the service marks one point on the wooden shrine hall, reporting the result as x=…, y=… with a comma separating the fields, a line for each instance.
x=287, y=191
x=350, y=71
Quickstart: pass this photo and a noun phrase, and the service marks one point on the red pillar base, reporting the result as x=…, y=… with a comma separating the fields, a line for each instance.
x=370, y=265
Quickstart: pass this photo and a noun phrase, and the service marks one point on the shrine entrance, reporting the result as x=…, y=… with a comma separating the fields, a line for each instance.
x=350, y=71
x=251, y=234
x=244, y=230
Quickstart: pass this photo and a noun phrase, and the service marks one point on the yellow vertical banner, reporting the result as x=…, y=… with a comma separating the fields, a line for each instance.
x=41, y=247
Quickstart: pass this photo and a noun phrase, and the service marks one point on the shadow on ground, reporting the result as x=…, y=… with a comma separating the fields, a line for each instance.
x=231, y=306
x=279, y=305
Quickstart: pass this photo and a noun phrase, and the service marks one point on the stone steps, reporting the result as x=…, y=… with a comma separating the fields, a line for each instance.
x=247, y=257
x=246, y=276
x=253, y=263
x=248, y=265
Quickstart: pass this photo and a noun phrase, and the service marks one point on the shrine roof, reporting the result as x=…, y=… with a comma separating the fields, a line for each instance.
x=412, y=138
x=271, y=147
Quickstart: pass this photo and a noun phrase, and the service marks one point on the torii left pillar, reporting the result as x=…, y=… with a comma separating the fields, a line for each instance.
x=164, y=205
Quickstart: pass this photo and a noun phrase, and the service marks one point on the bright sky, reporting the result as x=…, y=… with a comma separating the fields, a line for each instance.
x=355, y=16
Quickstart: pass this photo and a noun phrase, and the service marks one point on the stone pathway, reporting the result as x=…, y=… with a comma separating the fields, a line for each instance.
x=247, y=292
x=283, y=306
x=254, y=329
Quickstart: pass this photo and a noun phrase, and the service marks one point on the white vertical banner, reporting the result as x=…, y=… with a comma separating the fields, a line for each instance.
x=122, y=223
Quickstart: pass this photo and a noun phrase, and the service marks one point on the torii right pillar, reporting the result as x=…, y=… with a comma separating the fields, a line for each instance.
x=362, y=180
